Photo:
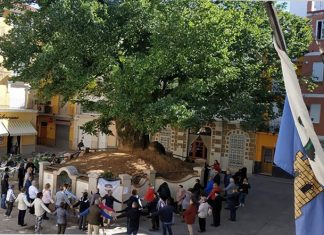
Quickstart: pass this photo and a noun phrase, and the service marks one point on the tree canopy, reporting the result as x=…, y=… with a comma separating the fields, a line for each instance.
x=149, y=63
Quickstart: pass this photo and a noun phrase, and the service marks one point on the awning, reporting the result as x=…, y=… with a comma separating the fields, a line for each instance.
x=3, y=130
x=18, y=127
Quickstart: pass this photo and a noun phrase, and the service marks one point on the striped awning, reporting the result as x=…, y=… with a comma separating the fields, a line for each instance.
x=3, y=130
x=18, y=127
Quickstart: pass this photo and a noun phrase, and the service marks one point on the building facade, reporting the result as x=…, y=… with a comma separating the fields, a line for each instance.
x=60, y=126
x=222, y=141
x=311, y=65
x=17, y=118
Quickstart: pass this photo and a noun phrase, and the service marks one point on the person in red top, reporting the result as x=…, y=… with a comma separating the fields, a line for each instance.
x=189, y=216
x=217, y=166
x=149, y=195
x=215, y=190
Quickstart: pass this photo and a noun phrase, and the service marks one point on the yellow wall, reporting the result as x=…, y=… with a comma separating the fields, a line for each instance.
x=264, y=139
x=28, y=140
x=5, y=140
x=55, y=104
x=4, y=98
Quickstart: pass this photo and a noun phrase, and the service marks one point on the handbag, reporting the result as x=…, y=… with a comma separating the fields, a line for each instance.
x=51, y=206
x=210, y=211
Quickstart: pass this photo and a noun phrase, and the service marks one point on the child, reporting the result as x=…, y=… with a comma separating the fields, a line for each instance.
x=189, y=216
x=244, y=190
x=202, y=214
x=10, y=199
x=61, y=218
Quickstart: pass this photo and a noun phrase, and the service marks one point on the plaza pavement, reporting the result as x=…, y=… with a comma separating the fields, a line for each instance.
x=268, y=211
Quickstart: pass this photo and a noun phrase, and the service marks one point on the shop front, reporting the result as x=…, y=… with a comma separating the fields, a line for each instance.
x=17, y=132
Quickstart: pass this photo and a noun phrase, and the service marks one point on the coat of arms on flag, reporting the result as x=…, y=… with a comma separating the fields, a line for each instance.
x=298, y=151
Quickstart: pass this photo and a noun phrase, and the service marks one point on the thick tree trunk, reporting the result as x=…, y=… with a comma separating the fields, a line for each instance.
x=129, y=139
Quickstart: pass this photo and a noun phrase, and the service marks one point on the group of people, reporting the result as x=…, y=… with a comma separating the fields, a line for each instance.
x=199, y=201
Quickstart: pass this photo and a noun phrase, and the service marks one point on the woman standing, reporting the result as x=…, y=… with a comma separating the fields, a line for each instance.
x=189, y=216
x=47, y=198
x=186, y=200
x=22, y=206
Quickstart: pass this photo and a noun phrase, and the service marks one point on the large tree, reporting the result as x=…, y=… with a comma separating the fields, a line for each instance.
x=148, y=63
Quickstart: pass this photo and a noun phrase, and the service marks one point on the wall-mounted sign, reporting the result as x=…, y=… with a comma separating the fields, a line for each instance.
x=4, y=116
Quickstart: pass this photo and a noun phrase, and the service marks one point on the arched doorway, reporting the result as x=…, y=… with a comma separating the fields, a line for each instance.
x=63, y=178
x=198, y=149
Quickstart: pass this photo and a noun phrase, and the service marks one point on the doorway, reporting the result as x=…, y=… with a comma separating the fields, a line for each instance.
x=43, y=133
x=198, y=149
x=267, y=160
x=13, y=146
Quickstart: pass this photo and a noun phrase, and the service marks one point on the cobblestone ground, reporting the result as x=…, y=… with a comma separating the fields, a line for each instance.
x=268, y=211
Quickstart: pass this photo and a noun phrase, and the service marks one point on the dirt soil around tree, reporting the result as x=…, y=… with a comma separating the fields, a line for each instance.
x=134, y=163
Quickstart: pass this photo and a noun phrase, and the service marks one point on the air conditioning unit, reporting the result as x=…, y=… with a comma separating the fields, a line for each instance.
x=41, y=108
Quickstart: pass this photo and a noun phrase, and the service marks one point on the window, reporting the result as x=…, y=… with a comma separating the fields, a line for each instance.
x=267, y=155
x=317, y=5
x=17, y=97
x=165, y=138
x=318, y=71
x=236, y=150
x=315, y=113
x=320, y=29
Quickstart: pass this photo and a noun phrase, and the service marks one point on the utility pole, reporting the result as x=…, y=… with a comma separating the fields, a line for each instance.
x=279, y=37
x=274, y=23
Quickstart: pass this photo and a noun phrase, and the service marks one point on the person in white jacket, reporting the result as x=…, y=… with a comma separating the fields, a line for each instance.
x=10, y=199
x=202, y=214
x=40, y=209
x=22, y=206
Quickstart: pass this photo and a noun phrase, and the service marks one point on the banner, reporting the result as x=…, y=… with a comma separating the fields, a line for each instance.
x=298, y=151
x=104, y=185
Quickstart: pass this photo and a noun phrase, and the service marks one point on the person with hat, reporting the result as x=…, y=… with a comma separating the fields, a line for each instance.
x=84, y=204
x=10, y=199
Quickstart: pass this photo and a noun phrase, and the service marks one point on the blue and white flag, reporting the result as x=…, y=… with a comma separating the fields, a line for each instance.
x=299, y=152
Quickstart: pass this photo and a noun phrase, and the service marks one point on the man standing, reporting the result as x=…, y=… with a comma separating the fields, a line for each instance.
x=232, y=203
x=80, y=145
x=32, y=192
x=4, y=189
x=83, y=203
x=40, y=209
x=166, y=217
x=61, y=197
x=31, y=165
x=10, y=200
x=21, y=175
x=133, y=216
x=93, y=214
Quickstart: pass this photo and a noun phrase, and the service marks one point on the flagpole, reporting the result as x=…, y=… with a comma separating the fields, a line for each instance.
x=274, y=23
